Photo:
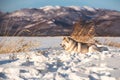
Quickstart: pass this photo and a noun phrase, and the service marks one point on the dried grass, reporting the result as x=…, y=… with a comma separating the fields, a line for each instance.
x=9, y=45
x=6, y=28
x=112, y=43
x=84, y=32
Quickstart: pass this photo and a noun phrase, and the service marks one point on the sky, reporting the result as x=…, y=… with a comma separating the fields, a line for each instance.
x=12, y=5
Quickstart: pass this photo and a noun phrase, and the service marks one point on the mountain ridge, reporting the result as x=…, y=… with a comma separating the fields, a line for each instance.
x=57, y=21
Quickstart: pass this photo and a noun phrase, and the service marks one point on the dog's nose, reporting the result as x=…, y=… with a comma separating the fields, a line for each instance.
x=61, y=45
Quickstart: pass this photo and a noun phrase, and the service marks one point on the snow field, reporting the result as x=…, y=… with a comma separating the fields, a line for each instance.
x=56, y=64
x=59, y=65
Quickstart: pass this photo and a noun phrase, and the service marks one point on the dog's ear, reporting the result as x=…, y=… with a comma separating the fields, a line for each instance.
x=66, y=38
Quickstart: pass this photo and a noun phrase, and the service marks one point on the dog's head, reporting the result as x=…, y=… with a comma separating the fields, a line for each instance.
x=66, y=42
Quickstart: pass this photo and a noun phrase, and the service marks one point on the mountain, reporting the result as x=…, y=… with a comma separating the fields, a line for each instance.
x=57, y=20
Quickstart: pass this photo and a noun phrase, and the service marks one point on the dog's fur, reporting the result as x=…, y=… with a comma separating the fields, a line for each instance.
x=71, y=45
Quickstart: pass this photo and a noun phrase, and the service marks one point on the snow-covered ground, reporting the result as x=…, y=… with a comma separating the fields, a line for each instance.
x=51, y=62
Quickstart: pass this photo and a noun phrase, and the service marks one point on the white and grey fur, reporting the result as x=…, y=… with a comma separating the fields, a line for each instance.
x=71, y=45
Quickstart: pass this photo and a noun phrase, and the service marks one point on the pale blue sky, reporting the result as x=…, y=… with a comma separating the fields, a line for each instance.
x=12, y=5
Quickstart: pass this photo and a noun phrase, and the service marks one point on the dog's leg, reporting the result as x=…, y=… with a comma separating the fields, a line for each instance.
x=79, y=47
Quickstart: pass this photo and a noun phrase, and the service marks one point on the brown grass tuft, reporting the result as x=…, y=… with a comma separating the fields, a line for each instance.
x=112, y=43
x=9, y=45
x=83, y=31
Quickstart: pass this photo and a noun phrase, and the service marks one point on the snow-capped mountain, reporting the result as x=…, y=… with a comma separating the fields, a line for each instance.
x=58, y=20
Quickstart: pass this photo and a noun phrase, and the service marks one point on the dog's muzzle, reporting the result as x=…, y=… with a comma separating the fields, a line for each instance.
x=62, y=45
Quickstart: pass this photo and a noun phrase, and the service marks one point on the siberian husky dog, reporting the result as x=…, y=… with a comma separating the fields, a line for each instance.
x=73, y=46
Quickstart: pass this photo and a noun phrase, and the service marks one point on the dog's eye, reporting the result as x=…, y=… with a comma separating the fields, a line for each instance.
x=67, y=41
x=64, y=38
